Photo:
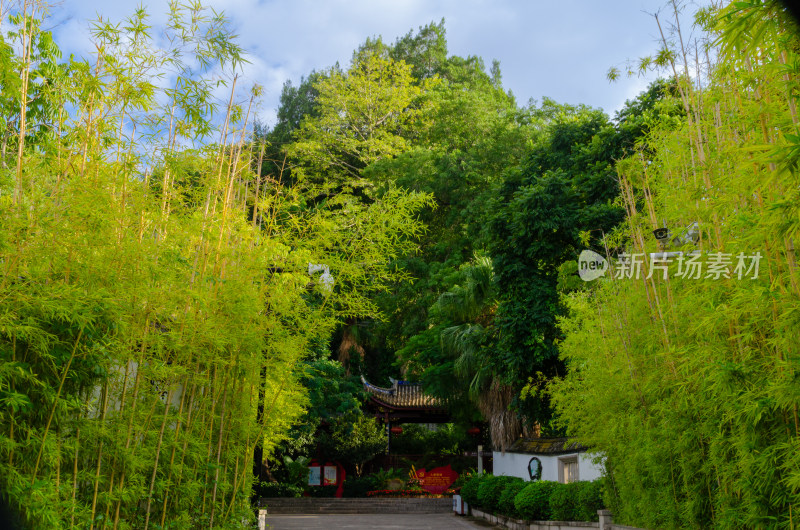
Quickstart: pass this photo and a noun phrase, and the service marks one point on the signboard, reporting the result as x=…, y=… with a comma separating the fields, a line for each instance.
x=329, y=475
x=314, y=477
x=437, y=480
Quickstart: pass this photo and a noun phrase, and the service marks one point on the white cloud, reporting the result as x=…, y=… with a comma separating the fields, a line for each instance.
x=561, y=50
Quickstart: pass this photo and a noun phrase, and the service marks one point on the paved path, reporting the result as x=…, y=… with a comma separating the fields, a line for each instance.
x=435, y=521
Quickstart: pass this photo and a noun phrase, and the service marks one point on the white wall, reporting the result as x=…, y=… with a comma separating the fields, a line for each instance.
x=516, y=465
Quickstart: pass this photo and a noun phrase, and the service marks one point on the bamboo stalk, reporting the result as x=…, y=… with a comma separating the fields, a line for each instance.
x=212, y=413
x=219, y=453
x=12, y=415
x=26, y=35
x=109, y=500
x=174, y=447
x=55, y=402
x=134, y=401
x=75, y=476
x=189, y=425
x=99, y=455
x=170, y=132
x=258, y=183
x=156, y=459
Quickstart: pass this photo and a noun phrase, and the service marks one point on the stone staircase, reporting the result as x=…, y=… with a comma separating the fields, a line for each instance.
x=316, y=505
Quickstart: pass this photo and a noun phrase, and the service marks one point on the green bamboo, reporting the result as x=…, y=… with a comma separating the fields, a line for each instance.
x=55, y=403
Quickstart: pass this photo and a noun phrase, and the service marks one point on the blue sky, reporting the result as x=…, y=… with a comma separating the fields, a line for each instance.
x=560, y=49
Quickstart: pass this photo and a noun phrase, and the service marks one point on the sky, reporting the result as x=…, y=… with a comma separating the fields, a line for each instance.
x=559, y=49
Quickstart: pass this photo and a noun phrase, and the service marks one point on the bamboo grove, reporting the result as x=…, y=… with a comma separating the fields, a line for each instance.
x=689, y=388
x=156, y=290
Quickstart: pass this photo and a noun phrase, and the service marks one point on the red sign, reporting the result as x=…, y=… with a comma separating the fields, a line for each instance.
x=437, y=480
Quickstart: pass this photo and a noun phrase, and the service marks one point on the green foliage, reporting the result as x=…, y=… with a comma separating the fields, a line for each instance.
x=590, y=500
x=383, y=477
x=565, y=185
x=355, y=439
x=688, y=387
x=297, y=470
x=464, y=477
x=408, y=116
x=376, y=94
x=359, y=486
x=322, y=491
x=331, y=394
x=156, y=303
x=576, y=501
x=425, y=51
x=533, y=501
x=505, y=504
x=469, y=491
x=489, y=492
x=277, y=489
x=564, y=502
x=538, y=500
x=464, y=363
x=446, y=439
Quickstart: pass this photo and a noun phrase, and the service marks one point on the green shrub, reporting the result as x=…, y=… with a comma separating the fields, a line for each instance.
x=577, y=501
x=563, y=502
x=489, y=492
x=464, y=477
x=533, y=502
x=506, y=503
x=278, y=489
x=322, y=491
x=590, y=499
x=359, y=486
x=383, y=478
x=469, y=491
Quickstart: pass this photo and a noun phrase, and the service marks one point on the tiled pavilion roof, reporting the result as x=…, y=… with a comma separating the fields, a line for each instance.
x=546, y=446
x=402, y=395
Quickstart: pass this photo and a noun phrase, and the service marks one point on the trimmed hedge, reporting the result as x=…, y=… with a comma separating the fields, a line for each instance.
x=590, y=500
x=577, y=501
x=533, y=502
x=563, y=502
x=540, y=500
x=490, y=490
x=506, y=503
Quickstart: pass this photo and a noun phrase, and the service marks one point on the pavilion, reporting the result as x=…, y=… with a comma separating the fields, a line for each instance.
x=405, y=402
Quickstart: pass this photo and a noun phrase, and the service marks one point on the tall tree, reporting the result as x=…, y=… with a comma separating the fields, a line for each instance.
x=365, y=114
x=455, y=358
x=561, y=199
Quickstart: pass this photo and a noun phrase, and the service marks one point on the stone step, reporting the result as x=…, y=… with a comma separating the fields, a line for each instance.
x=307, y=505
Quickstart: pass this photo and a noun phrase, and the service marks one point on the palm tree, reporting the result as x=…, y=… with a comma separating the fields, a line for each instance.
x=471, y=341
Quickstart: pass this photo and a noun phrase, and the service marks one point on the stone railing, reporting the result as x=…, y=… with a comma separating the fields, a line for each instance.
x=606, y=522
